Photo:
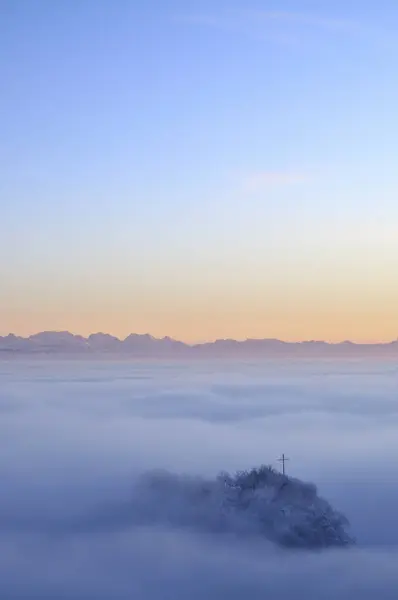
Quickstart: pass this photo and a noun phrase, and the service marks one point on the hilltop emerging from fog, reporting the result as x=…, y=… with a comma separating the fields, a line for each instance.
x=146, y=346
x=260, y=501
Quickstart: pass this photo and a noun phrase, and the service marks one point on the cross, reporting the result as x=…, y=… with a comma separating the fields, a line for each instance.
x=283, y=460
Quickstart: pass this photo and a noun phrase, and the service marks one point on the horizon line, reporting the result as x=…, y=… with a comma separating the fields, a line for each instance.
x=200, y=343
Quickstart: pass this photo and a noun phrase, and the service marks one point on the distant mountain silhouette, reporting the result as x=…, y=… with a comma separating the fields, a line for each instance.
x=146, y=346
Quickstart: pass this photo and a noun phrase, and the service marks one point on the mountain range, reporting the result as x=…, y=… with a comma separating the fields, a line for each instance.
x=146, y=346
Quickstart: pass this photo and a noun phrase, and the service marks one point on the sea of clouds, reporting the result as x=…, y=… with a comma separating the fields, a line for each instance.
x=76, y=438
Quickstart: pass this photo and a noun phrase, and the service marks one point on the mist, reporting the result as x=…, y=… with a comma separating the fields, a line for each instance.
x=78, y=438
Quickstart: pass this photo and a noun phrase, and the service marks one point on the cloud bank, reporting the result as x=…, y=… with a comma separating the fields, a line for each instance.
x=79, y=518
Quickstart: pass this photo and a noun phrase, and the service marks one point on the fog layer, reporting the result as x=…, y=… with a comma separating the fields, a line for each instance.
x=80, y=439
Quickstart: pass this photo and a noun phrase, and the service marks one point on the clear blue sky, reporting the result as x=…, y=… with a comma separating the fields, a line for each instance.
x=198, y=168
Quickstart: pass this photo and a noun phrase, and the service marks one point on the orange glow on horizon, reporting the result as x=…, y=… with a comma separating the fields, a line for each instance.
x=334, y=328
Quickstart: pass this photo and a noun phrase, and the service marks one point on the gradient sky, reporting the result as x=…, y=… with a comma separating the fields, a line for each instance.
x=199, y=169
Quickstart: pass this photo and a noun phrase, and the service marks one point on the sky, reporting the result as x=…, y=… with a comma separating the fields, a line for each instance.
x=199, y=169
